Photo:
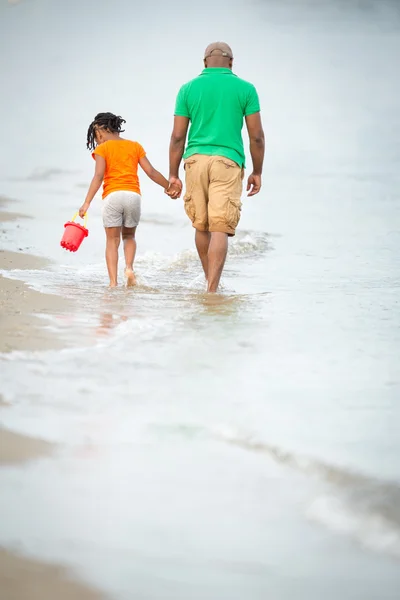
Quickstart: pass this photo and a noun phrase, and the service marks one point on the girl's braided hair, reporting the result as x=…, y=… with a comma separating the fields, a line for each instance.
x=107, y=121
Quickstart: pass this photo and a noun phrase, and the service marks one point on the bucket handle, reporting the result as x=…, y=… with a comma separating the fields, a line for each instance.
x=84, y=219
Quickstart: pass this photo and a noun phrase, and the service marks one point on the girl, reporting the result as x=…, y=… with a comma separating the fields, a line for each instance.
x=117, y=162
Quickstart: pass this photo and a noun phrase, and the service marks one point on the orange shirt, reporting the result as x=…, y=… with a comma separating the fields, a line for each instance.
x=122, y=159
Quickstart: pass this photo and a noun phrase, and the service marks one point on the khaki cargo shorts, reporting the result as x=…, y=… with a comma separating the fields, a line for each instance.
x=213, y=190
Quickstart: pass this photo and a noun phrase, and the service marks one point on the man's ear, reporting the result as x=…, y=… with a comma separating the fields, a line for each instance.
x=205, y=63
x=231, y=63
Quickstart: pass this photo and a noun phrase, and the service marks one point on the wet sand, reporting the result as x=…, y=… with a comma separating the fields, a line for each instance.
x=26, y=579
x=23, y=578
x=20, y=328
x=3, y=402
x=16, y=448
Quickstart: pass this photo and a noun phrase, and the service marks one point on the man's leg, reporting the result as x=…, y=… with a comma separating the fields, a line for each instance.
x=128, y=236
x=202, y=239
x=216, y=259
x=223, y=213
x=112, y=244
x=196, y=201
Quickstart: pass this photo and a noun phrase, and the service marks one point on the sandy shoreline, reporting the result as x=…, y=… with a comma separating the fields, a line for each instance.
x=3, y=402
x=16, y=448
x=27, y=579
x=21, y=329
x=22, y=578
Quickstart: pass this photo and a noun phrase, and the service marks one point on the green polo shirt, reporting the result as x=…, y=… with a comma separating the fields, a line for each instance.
x=216, y=102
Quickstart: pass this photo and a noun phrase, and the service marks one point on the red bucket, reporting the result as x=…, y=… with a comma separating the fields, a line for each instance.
x=74, y=234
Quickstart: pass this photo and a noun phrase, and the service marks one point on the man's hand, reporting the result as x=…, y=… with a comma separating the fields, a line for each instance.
x=175, y=187
x=253, y=184
x=83, y=209
x=173, y=191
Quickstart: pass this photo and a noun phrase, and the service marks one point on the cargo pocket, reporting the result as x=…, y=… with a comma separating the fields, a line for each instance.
x=233, y=212
x=189, y=207
x=189, y=162
x=228, y=163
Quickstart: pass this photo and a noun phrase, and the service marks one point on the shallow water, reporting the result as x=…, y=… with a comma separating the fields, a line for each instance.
x=244, y=445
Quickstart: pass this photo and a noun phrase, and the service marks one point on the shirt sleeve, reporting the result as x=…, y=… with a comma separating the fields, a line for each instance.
x=100, y=150
x=140, y=151
x=253, y=102
x=181, y=106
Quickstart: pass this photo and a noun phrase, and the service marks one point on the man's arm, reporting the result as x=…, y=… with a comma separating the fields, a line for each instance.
x=177, y=147
x=257, y=149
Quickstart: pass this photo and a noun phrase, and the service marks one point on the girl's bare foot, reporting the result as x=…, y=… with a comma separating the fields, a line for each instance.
x=130, y=277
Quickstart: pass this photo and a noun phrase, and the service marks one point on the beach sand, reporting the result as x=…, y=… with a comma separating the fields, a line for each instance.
x=22, y=578
x=20, y=329
x=16, y=448
x=26, y=579
x=3, y=402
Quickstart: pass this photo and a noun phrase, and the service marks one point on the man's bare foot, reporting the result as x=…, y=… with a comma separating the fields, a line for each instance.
x=130, y=277
x=113, y=284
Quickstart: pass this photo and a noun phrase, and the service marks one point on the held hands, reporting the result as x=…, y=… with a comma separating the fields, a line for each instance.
x=83, y=209
x=174, y=189
x=253, y=184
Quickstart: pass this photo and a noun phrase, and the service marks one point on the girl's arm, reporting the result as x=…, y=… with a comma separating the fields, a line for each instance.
x=156, y=176
x=94, y=185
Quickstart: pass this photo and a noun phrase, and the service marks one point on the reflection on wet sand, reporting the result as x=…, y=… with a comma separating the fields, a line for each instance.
x=108, y=321
x=220, y=304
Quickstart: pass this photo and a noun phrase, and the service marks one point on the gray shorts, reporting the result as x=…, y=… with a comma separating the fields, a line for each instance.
x=121, y=209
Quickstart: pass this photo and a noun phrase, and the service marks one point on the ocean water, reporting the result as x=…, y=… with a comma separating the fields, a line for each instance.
x=238, y=446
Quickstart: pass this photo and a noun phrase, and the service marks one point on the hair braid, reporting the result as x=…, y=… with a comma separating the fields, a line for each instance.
x=108, y=121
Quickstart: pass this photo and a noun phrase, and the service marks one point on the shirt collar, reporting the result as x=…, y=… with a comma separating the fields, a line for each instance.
x=217, y=71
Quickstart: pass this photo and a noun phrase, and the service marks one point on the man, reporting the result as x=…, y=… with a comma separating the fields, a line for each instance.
x=215, y=103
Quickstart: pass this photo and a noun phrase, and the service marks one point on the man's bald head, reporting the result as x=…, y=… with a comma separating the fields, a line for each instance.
x=218, y=54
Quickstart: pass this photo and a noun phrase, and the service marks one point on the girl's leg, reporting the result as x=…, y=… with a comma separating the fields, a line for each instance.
x=128, y=235
x=113, y=235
